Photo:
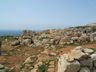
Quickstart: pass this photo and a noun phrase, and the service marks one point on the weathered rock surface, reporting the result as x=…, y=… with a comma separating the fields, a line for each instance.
x=77, y=60
x=15, y=69
x=88, y=50
x=15, y=43
x=3, y=69
x=27, y=41
x=74, y=35
x=85, y=69
x=64, y=66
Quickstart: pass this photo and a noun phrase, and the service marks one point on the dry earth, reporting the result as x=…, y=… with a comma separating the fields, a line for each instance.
x=16, y=55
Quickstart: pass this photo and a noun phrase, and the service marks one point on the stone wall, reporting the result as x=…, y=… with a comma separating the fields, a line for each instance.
x=78, y=60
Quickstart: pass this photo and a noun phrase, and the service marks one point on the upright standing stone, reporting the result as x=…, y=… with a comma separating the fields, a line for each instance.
x=21, y=38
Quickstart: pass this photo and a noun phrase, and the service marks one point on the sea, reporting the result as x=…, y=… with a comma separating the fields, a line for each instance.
x=10, y=32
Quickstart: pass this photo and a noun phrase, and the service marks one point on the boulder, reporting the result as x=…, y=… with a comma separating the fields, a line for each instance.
x=84, y=69
x=52, y=54
x=93, y=56
x=84, y=39
x=65, y=40
x=27, y=37
x=56, y=40
x=1, y=66
x=65, y=66
x=87, y=63
x=38, y=43
x=3, y=69
x=78, y=53
x=45, y=41
x=88, y=50
x=27, y=41
x=68, y=57
x=77, y=60
x=15, y=43
x=75, y=39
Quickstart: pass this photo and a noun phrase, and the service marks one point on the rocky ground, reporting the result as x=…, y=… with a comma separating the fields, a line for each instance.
x=43, y=51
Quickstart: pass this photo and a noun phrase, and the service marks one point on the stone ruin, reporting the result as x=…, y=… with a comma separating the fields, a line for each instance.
x=25, y=38
x=75, y=35
x=78, y=60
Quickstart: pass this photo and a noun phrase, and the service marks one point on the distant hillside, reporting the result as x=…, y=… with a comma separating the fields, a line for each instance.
x=93, y=24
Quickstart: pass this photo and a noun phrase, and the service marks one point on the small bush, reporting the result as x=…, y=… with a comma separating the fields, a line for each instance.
x=6, y=52
x=51, y=55
x=60, y=47
x=9, y=38
x=22, y=66
x=44, y=66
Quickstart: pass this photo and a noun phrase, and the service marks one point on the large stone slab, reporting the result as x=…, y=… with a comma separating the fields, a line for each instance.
x=1, y=66
x=78, y=53
x=65, y=66
x=84, y=69
x=88, y=50
x=87, y=63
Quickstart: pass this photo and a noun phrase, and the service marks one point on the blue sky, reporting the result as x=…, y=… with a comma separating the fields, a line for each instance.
x=45, y=14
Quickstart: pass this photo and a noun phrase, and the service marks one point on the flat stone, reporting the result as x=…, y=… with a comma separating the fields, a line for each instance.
x=1, y=66
x=53, y=54
x=78, y=53
x=88, y=50
x=85, y=69
x=15, y=43
x=68, y=57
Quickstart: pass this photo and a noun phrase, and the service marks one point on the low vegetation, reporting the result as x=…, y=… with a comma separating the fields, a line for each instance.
x=3, y=38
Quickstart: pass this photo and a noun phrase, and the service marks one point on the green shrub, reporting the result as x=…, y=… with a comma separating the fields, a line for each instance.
x=44, y=66
x=51, y=55
x=59, y=47
x=94, y=29
x=9, y=38
x=81, y=27
x=6, y=52
x=22, y=66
